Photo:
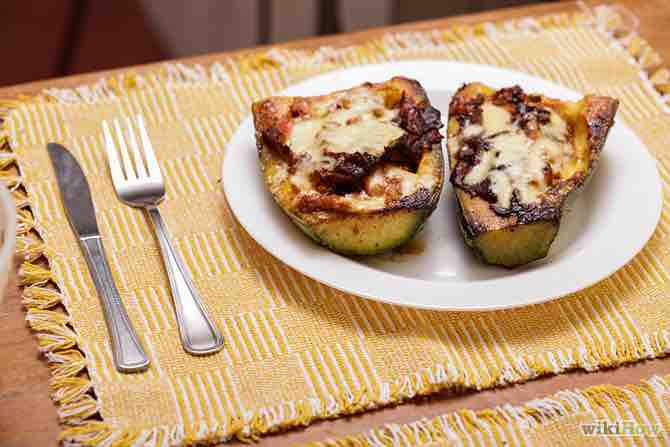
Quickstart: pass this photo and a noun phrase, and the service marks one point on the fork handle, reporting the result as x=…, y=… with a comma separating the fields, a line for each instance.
x=129, y=356
x=196, y=329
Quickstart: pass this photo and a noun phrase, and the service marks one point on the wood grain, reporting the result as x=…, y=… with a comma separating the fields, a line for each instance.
x=28, y=416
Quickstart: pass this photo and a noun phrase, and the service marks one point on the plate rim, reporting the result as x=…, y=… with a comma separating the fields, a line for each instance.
x=445, y=304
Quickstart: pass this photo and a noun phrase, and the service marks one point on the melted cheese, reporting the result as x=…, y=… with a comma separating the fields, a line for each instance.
x=361, y=201
x=409, y=182
x=374, y=195
x=513, y=161
x=365, y=136
x=364, y=126
x=495, y=119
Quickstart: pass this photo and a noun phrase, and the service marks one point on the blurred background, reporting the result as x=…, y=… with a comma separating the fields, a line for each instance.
x=50, y=38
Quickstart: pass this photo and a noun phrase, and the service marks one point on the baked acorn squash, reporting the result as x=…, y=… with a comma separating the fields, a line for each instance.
x=514, y=159
x=358, y=170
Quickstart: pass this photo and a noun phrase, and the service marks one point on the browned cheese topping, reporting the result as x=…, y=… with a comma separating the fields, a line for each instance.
x=354, y=150
x=510, y=148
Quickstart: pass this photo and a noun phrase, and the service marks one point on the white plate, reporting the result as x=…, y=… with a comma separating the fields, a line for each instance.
x=603, y=228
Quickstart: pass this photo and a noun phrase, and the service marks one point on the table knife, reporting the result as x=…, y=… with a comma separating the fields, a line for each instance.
x=129, y=356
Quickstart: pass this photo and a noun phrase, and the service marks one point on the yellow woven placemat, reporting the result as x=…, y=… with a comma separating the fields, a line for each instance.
x=602, y=415
x=296, y=350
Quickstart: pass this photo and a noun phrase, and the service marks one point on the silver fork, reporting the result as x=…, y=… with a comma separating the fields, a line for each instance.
x=139, y=183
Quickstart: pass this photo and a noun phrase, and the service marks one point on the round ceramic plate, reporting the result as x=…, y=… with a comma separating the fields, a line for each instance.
x=603, y=227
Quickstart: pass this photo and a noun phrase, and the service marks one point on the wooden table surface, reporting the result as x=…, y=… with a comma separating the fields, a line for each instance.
x=28, y=416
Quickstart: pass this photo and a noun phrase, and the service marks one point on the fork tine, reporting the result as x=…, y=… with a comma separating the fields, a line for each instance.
x=125, y=156
x=137, y=154
x=112, y=155
x=152, y=163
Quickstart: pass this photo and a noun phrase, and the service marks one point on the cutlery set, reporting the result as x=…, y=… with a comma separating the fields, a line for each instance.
x=138, y=182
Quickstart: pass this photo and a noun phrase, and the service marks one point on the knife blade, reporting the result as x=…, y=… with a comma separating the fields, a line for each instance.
x=129, y=355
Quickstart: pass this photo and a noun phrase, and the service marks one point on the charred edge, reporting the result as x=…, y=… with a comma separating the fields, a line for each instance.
x=599, y=119
x=469, y=229
x=273, y=139
x=413, y=86
x=420, y=199
x=526, y=214
x=510, y=96
x=299, y=107
x=520, y=213
x=313, y=203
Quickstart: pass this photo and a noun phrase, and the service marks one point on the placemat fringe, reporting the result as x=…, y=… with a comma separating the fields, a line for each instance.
x=110, y=88
x=30, y=247
x=513, y=423
x=71, y=387
x=611, y=19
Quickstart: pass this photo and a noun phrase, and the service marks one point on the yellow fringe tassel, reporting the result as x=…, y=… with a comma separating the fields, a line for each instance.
x=41, y=319
x=36, y=297
x=60, y=337
x=6, y=159
x=20, y=199
x=68, y=389
x=92, y=433
x=30, y=247
x=33, y=274
x=25, y=221
x=75, y=412
x=11, y=180
x=66, y=363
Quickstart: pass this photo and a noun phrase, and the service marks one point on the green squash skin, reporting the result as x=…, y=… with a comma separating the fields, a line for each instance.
x=513, y=246
x=413, y=221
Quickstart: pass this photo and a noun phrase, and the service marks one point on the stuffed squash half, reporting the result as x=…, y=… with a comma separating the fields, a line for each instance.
x=358, y=170
x=514, y=159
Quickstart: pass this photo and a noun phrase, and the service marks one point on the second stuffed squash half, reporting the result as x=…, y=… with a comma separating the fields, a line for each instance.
x=514, y=159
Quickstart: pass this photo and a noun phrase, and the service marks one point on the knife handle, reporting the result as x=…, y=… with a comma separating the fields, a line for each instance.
x=129, y=356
